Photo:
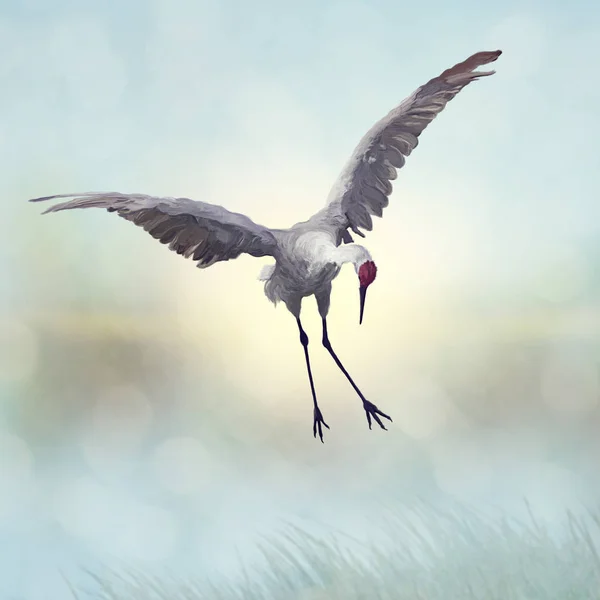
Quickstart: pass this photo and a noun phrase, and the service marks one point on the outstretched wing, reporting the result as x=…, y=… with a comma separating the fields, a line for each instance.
x=206, y=232
x=364, y=185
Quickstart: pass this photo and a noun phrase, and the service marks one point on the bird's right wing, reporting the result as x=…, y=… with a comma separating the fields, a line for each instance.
x=206, y=232
x=364, y=185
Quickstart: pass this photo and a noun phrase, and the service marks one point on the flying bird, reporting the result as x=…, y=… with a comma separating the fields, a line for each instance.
x=309, y=255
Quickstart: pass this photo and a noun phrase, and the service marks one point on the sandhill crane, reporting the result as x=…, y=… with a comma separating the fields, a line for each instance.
x=309, y=255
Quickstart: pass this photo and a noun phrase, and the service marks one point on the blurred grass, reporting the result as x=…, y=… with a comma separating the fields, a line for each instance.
x=450, y=553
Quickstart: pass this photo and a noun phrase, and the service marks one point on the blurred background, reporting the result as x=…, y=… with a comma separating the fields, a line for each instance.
x=157, y=415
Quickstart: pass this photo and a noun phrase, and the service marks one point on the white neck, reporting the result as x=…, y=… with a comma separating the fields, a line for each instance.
x=351, y=253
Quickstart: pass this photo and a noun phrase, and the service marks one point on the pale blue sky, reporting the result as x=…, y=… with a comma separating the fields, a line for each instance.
x=256, y=106
x=154, y=96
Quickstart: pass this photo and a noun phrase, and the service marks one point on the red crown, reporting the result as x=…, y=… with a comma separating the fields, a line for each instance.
x=367, y=273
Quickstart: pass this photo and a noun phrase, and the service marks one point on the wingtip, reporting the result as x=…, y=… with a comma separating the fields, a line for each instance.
x=468, y=67
x=43, y=199
x=482, y=58
x=487, y=56
x=492, y=57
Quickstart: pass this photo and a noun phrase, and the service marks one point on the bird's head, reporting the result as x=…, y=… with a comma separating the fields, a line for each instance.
x=367, y=271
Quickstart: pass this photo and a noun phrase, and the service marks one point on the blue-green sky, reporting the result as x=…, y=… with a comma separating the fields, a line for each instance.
x=256, y=106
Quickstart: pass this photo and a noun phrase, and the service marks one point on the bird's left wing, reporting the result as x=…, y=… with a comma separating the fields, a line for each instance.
x=206, y=232
x=364, y=185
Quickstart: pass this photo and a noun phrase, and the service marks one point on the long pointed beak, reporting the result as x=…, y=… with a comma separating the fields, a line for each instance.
x=363, y=294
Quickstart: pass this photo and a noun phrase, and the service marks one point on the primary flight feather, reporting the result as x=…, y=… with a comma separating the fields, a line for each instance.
x=309, y=255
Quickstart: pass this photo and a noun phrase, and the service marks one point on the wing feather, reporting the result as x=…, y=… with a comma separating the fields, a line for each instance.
x=365, y=183
x=206, y=232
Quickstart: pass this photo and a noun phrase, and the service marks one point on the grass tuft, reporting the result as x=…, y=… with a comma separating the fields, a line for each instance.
x=430, y=553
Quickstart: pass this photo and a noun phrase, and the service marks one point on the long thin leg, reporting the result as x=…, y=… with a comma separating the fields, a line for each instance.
x=318, y=417
x=370, y=408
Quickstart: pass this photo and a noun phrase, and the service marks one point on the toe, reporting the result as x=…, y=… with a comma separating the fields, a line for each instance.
x=372, y=411
x=384, y=415
x=378, y=420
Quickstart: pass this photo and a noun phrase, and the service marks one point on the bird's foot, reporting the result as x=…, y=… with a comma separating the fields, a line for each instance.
x=373, y=411
x=318, y=424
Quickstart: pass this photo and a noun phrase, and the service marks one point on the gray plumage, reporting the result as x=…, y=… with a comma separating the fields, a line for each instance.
x=364, y=186
x=310, y=254
x=210, y=233
x=206, y=232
